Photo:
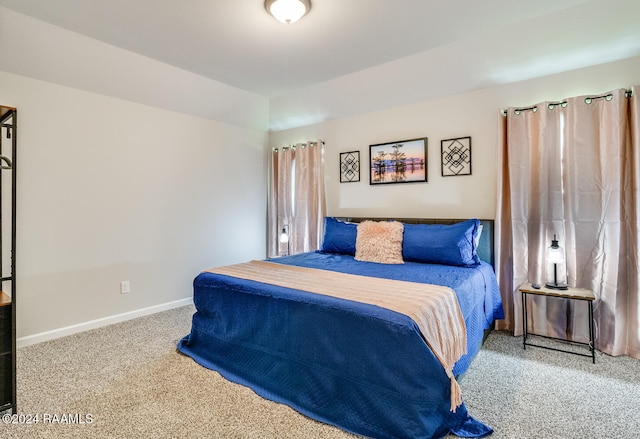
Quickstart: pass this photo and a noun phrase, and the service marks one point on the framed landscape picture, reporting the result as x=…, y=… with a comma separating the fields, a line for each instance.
x=404, y=161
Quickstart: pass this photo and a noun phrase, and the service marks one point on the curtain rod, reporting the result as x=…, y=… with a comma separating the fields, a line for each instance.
x=563, y=104
x=302, y=145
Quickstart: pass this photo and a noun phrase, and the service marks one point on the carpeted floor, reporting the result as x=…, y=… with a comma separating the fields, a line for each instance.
x=128, y=381
x=537, y=393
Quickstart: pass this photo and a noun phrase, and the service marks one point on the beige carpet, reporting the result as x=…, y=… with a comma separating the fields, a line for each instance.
x=132, y=382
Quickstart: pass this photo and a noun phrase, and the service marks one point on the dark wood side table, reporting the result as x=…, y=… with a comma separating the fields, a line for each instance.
x=570, y=294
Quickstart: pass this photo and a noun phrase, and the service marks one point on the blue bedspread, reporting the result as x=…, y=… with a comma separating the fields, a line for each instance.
x=476, y=288
x=357, y=366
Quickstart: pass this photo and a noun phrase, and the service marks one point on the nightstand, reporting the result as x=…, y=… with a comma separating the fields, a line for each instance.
x=569, y=294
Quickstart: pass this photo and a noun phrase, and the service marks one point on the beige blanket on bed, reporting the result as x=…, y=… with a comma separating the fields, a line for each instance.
x=433, y=308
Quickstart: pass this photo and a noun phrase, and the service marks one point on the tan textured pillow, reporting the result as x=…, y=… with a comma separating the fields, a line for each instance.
x=379, y=241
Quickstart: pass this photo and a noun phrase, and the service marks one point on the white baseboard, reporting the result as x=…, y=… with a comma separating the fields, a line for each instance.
x=98, y=323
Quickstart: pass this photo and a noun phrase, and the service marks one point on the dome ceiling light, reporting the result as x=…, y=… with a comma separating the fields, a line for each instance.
x=287, y=11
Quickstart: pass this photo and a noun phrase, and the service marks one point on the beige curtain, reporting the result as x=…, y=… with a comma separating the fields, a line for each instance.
x=296, y=198
x=571, y=169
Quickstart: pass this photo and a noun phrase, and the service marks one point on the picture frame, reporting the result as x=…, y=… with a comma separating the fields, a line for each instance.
x=349, y=166
x=455, y=156
x=402, y=161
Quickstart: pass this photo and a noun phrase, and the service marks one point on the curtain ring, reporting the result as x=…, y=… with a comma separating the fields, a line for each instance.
x=518, y=110
x=608, y=97
x=553, y=105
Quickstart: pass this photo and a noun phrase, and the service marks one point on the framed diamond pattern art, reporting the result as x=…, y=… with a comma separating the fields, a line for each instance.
x=456, y=156
x=349, y=166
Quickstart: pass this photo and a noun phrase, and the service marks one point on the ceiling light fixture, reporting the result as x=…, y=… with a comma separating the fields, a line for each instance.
x=287, y=11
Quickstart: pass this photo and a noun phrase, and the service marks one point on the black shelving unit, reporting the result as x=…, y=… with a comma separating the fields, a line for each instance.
x=8, y=142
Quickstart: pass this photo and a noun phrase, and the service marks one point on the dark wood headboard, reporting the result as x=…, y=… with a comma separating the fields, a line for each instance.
x=485, y=246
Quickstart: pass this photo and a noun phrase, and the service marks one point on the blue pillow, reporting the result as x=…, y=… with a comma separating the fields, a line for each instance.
x=339, y=237
x=445, y=244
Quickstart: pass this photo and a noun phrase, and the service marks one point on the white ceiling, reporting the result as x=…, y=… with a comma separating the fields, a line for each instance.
x=237, y=43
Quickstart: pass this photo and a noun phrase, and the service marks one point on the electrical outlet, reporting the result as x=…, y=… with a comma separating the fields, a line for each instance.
x=125, y=287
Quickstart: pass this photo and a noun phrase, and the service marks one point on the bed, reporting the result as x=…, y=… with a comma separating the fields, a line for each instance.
x=362, y=367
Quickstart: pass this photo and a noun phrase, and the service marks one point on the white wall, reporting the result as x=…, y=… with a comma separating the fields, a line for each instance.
x=110, y=190
x=128, y=170
x=474, y=114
